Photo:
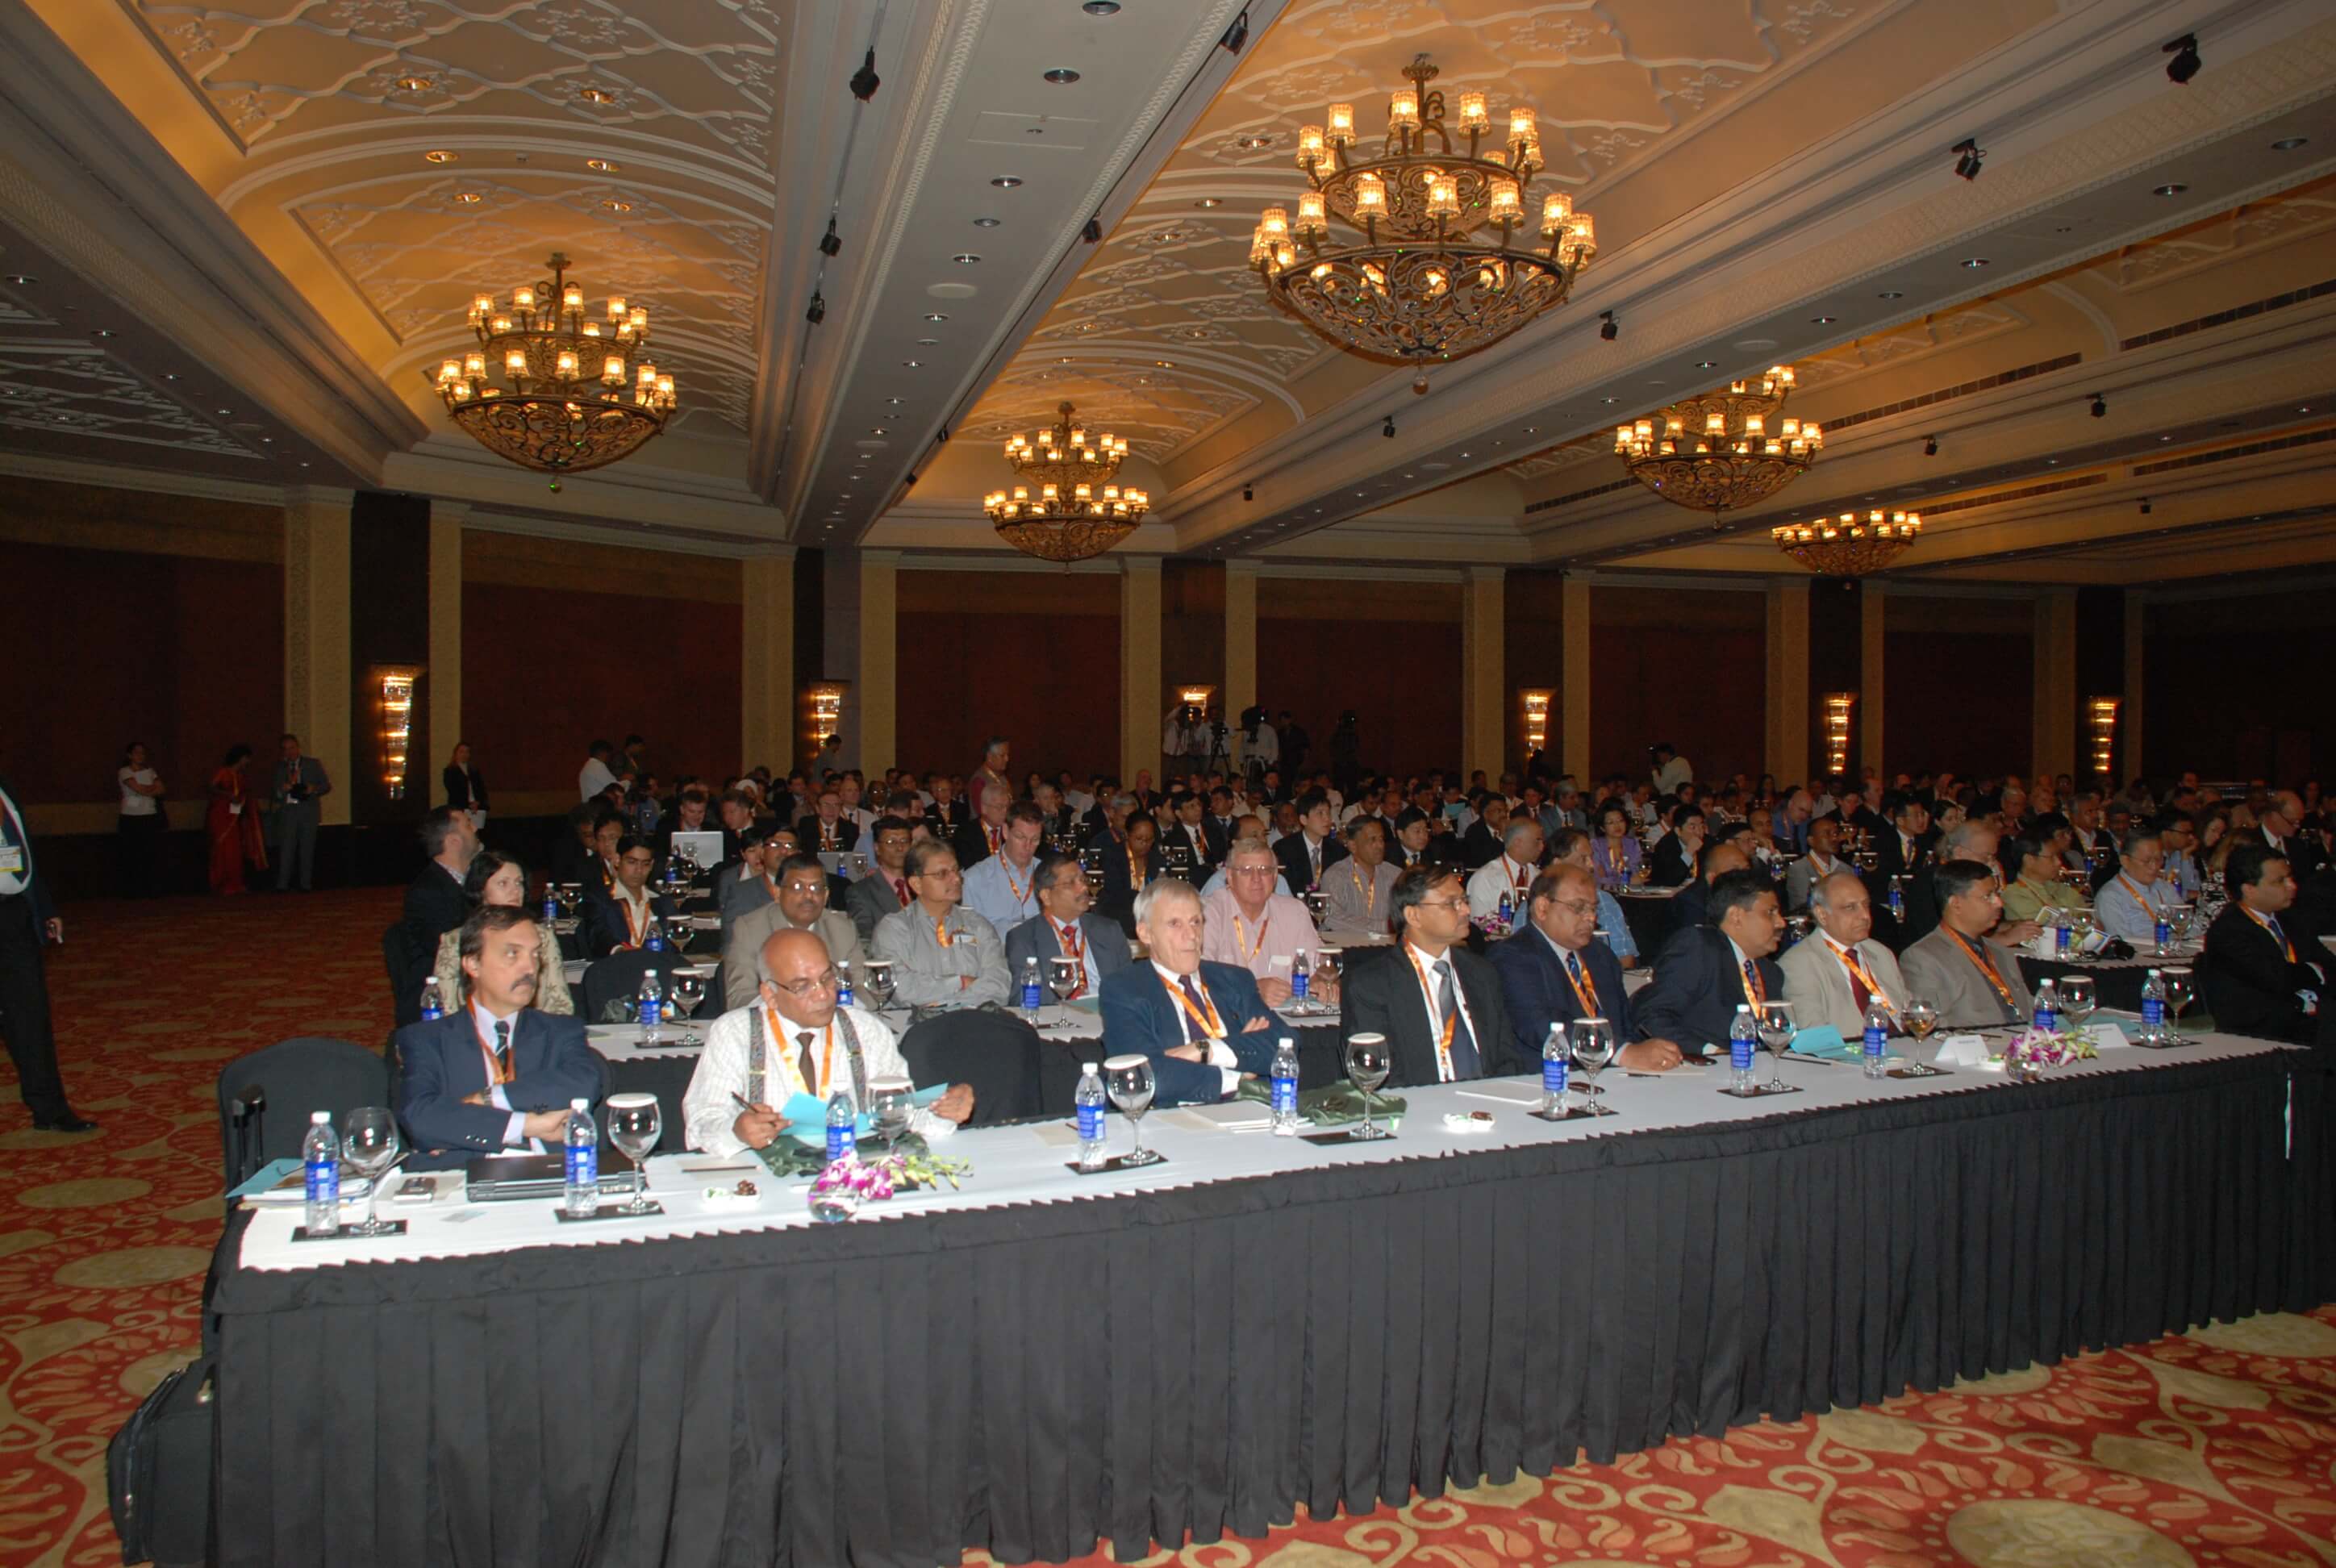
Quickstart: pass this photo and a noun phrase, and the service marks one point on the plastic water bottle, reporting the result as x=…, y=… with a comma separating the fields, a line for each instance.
x=2046, y=1014
x=2162, y=936
x=1508, y=909
x=1285, y=1087
x=655, y=942
x=842, y=1139
x=551, y=902
x=434, y=1000
x=320, y=1161
x=2153, y=1006
x=1877, y=1031
x=1090, y=1099
x=2061, y=935
x=843, y=985
x=582, y=1166
x=1743, y=1039
x=1301, y=966
x=1033, y=995
x=1898, y=897
x=648, y=1003
x=1556, y=1062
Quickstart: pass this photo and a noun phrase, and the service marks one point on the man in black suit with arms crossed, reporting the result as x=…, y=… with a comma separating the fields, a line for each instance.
x=2264, y=972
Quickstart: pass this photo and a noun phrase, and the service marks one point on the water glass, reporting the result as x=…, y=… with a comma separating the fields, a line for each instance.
x=889, y=1106
x=1367, y=1065
x=688, y=995
x=1593, y=1047
x=2078, y=1001
x=1128, y=1081
x=1063, y=978
x=635, y=1124
x=2179, y=990
x=876, y=979
x=1775, y=1033
x=369, y=1143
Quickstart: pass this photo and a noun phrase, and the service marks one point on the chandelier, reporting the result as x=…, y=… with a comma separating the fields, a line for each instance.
x=1424, y=283
x=1715, y=452
x=1849, y=545
x=1076, y=511
x=572, y=394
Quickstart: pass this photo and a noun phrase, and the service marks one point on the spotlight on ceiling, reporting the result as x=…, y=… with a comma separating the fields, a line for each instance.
x=2185, y=62
x=1248, y=492
x=2145, y=506
x=1093, y=232
x=1930, y=446
x=864, y=81
x=2100, y=406
x=818, y=311
x=1388, y=429
x=1968, y=153
x=1235, y=35
x=1608, y=327
x=830, y=243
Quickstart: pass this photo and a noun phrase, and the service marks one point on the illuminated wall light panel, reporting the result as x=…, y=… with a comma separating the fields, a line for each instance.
x=2100, y=729
x=395, y=684
x=1838, y=709
x=1536, y=706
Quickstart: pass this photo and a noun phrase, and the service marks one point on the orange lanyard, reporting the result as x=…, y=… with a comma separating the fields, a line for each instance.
x=1985, y=968
x=1243, y=949
x=1369, y=889
x=2280, y=937
x=1210, y=1023
x=1427, y=989
x=941, y=930
x=826, y=1059
x=1585, y=990
x=1021, y=890
x=635, y=931
x=1756, y=990
x=2146, y=906
x=1073, y=950
x=1135, y=869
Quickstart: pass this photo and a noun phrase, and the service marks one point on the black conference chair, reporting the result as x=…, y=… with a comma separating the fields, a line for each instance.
x=994, y=1054
x=617, y=979
x=405, y=983
x=265, y=1098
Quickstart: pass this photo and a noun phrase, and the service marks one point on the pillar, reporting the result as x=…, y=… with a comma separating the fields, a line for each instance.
x=1241, y=640
x=2055, y=716
x=1873, y=615
x=880, y=581
x=316, y=634
x=445, y=680
x=1484, y=664
x=1787, y=746
x=1574, y=619
x=766, y=694
x=1140, y=701
x=2136, y=611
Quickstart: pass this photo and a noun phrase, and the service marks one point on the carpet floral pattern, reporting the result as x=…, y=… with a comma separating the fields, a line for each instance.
x=2217, y=1447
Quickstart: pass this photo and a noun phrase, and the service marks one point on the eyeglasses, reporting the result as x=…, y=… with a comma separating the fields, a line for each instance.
x=1253, y=871
x=825, y=980
x=1460, y=904
x=1576, y=906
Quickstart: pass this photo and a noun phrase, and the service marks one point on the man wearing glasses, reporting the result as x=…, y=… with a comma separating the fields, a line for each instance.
x=801, y=906
x=1258, y=930
x=1439, y=1004
x=1554, y=970
x=792, y=1039
x=942, y=956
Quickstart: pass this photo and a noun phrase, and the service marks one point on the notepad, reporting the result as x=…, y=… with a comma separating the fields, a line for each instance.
x=806, y=1116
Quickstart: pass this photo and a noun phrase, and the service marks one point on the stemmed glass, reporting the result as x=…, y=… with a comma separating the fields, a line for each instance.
x=1128, y=1081
x=1593, y=1047
x=1063, y=978
x=1919, y=1016
x=634, y=1125
x=1775, y=1033
x=2178, y=992
x=876, y=979
x=688, y=993
x=567, y=894
x=369, y=1143
x=1369, y=1064
x=888, y=1108
x=2078, y=1000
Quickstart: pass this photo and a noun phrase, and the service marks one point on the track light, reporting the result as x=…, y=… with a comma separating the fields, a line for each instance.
x=1388, y=429
x=1093, y=232
x=818, y=311
x=909, y=482
x=829, y=243
x=2185, y=62
x=2145, y=506
x=864, y=81
x=1248, y=492
x=1609, y=327
x=1235, y=35
x=944, y=435
x=2100, y=406
x=1968, y=153
x=1930, y=446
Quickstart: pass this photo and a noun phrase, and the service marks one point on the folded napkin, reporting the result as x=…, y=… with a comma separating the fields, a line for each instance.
x=1332, y=1105
x=1824, y=1042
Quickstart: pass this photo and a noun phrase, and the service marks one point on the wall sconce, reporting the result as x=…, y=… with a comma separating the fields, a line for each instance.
x=1197, y=696
x=824, y=709
x=2100, y=728
x=1838, y=708
x=1535, y=703
x=395, y=683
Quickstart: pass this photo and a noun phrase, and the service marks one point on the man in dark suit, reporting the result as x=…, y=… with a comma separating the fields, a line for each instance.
x=976, y=840
x=1439, y=1004
x=1188, y=830
x=1314, y=848
x=1129, y=867
x=2264, y=972
x=1706, y=973
x=619, y=919
x=828, y=830
x=1202, y=1024
x=435, y=902
x=1217, y=826
x=1904, y=851
x=1416, y=842
x=1691, y=905
x=1481, y=844
x=28, y=922
x=1556, y=970
x=2283, y=833
x=1678, y=852
x=885, y=889
x=1067, y=927
x=497, y=1075
x=949, y=811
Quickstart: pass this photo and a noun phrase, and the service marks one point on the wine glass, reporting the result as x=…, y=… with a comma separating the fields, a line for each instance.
x=1775, y=1033
x=888, y=1108
x=1128, y=1081
x=369, y=1143
x=1063, y=977
x=1369, y=1064
x=688, y=995
x=566, y=893
x=2079, y=999
x=876, y=979
x=2178, y=992
x=634, y=1125
x=1919, y=1016
x=1593, y=1047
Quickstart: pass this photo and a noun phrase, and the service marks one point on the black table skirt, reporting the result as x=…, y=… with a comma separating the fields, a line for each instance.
x=1028, y=1379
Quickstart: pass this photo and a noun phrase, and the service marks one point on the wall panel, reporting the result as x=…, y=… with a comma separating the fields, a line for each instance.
x=1685, y=666
x=1959, y=684
x=1388, y=650
x=1030, y=655
x=2237, y=689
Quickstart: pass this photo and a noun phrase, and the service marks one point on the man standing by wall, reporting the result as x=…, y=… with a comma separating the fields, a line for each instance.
x=301, y=785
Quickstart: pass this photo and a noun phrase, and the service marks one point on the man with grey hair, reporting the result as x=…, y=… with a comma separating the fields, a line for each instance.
x=1204, y=1024
x=1511, y=871
x=985, y=835
x=1835, y=972
x=942, y=956
x=2135, y=897
x=1263, y=931
x=2281, y=827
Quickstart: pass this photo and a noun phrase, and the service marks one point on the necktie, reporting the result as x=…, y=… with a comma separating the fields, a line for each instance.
x=1860, y=991
x=503, y=1051
x=2271, y=923
x=901, y=890
x=1194, y=1035
x=803, y=1063
x=1464, y=1043
x=1585, y=988
x=1753, y=989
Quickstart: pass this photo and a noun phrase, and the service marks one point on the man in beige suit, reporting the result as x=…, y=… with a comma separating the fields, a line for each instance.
x=1833, y=973
x=1975, y=983
x=802, y=905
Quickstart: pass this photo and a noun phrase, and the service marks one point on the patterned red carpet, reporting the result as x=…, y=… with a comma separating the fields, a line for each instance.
x=2218, y=1446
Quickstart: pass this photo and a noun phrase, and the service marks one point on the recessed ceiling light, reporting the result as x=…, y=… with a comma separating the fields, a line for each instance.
x=104, y=332
x=986, y=222
x=878, y=429
x=2169, y=190
x=2290, y=143
x=1821, y=321
x=22, y=280
x=597, y=95
x=226, y=410
x=1006, y=182
x=1464, y=454
x=965, y=258
x=1253, y=143
x=912, y=364
x=1975, y=262
x=613, y=205
x=928, y=342
x=1100, y=7
x=1890, y=294
x=1609, y=400
x=1061, y=76
x=2306, y=409
x=1065, y=359
x=601, y=166
x=893, y=401
x=1165, y=363
x=1533, y=430
x=440, y=155
x=469, y=197
x=932, y=316
x=1707, y=365
x=170, y=376
x=266, y=441
x=414, y=83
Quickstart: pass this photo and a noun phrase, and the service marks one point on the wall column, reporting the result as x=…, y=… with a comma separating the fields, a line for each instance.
x=1240, y=640
x=1573, y=602
x=2128, y=751
x=1788, y=747
x=767, y=691
x=2055, y=718
x=316, y=636
x=1484, y=665
x=1875, y=616
x=444, y=681
x=1141, y=702
x=880, y=578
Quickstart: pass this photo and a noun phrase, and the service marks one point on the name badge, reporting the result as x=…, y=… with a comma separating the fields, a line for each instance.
x=235, y=808
x=12, y=859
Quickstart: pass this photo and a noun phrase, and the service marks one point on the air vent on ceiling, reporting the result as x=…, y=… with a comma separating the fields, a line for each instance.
x=2051, y=487
x=2251, y=449
x=1947, y=393
x=1557, y=500
x=2237, y=313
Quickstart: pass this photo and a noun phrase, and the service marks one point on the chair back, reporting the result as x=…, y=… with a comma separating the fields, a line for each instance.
x=404, y=984
x=617, y=978
x=994, y=1054
x=265, y=1097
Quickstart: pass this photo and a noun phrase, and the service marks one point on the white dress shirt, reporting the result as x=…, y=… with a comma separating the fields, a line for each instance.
x=710, y=1114
x=483, y=1025
x=1494, y=876
x=2131, y=910
x=1220, y=1055
x=1431, y=988
x=594, y=777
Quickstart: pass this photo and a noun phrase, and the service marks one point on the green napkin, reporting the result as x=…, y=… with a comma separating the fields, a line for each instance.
x=1332, y=1105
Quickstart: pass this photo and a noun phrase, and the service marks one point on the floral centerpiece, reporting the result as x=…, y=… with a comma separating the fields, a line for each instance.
x=2031, y=1050
x=881, y=1177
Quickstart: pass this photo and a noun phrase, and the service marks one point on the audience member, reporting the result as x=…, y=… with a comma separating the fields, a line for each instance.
x=1067, y=927
x=1554, y=970
x=801, y=904
x=1355, y=894
x=1834, y=974
x=1314, y=848
x=942, y=956
x=885, y=888
x=1204, y=1024
x=1440, y=1007
x=1509, y=874
x=1705, y=972
x=1973, y=982
x=501, y=882
x=624, y=918
x=2264, y=972
x=1128, y=868
x=1263, y=931
x=2135, y=897
x=593, y=779
x=1002, y=889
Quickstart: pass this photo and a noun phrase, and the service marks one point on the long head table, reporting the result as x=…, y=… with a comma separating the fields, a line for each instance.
x=1045, y=1359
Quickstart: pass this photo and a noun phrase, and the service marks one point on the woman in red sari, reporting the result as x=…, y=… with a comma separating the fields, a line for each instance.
x=234, y=824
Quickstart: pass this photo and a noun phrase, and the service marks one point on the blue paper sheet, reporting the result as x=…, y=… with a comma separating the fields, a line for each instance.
x=806, y=1116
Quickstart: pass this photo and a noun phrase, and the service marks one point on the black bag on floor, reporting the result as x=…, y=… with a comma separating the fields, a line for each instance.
x=158, y=1471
